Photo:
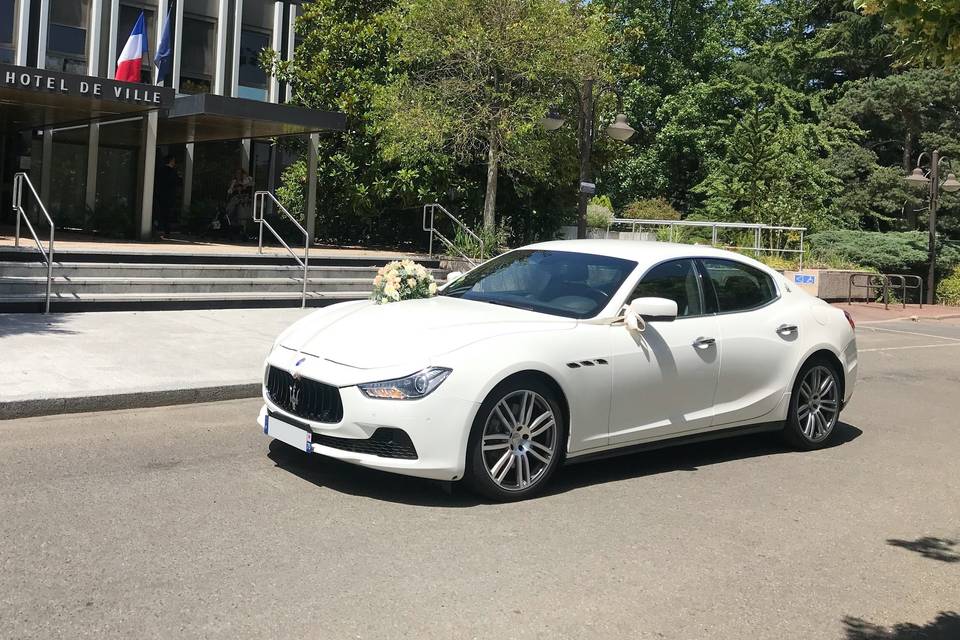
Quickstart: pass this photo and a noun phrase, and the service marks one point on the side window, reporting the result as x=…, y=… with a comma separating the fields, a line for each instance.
x=675, y=280
x=739, y=287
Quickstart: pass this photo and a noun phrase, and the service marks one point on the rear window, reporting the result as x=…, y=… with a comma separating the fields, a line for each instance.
x=738, y=286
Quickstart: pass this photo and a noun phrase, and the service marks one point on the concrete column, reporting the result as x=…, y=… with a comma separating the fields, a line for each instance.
x=245, y=154
x=148, y=164
x=188, y=177
x=23, y=33
x=273, y=86
x=93, y=157
x=93, y=38
x=47, y=165
x=235, y=61
x=291, y=47
x=112, y=44
x=223, y=28
x=42, y=36
x=313, y=151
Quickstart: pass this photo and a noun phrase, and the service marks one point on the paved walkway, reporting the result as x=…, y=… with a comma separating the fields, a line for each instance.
x=70, y=362
x=180, y=245
x=874, y=312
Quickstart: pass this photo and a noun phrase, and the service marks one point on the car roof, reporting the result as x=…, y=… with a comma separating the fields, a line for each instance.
x=644, y=252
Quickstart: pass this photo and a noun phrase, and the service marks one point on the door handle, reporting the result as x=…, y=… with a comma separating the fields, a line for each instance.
x=787, y=328
x=704, y=343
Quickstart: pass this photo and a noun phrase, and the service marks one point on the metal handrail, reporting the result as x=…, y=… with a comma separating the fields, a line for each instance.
x=432, y=230
x=18, y=181
x=259, y=204
x=757, y=229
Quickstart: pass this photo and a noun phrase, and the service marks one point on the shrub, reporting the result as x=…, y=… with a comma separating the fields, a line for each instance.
x=892, y=252
x=948, y=291
x=650, y=209
x=599, y=216
x=490, y=245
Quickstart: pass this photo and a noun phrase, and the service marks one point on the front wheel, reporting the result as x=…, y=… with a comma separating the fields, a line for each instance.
x=814, y=406
x=516, y=442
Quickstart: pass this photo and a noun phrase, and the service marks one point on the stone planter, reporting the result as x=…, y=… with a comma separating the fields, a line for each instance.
x=646, y=236
x=827, y=284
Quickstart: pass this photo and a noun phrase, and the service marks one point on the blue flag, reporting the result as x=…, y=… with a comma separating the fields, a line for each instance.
x=164, y=57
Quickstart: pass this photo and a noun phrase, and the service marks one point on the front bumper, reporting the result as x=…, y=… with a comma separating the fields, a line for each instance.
x=437, y=425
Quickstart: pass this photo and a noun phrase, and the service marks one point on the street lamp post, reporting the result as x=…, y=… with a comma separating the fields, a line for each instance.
x=931, y=179
x=619, y=130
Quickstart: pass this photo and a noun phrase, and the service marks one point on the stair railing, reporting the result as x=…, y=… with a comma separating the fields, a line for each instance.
x=260, y=199
x=19, y=180
x=429, y=225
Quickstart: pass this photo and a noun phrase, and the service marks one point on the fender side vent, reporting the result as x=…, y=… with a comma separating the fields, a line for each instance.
x=573, y=365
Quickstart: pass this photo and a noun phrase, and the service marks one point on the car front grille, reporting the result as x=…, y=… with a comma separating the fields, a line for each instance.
x=303, y=397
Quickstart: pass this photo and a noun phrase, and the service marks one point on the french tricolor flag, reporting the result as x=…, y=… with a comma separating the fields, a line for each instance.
x=131, y=58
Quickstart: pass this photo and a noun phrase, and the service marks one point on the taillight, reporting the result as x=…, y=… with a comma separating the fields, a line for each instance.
x=853, y=325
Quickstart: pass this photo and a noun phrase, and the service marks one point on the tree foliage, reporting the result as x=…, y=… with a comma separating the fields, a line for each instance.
x=929, y=30
x=480, y=74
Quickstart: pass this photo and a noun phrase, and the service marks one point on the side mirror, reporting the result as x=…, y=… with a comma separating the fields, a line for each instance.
x=640, y=311
x=453, y=275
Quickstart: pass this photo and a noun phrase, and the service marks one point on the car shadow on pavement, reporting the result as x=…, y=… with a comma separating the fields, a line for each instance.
x=689, y=457
x=941, y=549
x=946, y=626
x=369, y=483
x=379, y=485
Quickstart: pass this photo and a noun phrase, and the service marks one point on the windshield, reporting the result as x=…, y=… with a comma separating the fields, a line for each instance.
x=561, y=283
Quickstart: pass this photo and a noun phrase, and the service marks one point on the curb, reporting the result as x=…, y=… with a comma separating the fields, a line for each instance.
x=134, y=400
x=948, y=316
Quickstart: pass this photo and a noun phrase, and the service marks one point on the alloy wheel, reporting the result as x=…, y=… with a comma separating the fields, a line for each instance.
x=818, y=403
x=519, y=440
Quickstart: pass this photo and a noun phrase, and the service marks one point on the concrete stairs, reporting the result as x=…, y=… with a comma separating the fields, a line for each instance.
x=105, y=281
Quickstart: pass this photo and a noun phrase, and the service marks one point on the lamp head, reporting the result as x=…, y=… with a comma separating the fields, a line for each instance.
x=951, y=184
x=917, y=179
x=620, y=130
x=552, y=121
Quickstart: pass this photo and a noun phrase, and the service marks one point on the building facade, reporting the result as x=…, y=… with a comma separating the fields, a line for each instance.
x=218, y=110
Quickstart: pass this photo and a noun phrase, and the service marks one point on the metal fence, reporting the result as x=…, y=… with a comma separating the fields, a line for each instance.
x=765, y=238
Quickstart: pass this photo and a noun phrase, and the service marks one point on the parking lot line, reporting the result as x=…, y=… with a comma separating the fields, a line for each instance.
x=912, y=333
x=914, y=346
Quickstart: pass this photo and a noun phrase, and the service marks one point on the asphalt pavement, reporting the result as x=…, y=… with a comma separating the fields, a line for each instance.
x=186, y=522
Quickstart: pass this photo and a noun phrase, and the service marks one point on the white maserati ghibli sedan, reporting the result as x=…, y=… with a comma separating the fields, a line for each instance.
x=557, y=353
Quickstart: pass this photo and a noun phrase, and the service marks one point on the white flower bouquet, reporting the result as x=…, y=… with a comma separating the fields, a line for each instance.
x=402, y=280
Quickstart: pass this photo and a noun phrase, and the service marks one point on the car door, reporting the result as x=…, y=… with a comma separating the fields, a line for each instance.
x=759, y=336
x=664, y=378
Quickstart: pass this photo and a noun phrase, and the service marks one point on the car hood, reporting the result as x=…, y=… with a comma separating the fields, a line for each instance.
x=365, y=335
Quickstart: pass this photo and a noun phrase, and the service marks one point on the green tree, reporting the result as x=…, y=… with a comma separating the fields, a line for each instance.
x=347, y=52
x=929, y=30
x=479, y=75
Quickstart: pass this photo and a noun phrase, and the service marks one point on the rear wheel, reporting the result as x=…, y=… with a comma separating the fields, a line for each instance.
x=814, y=406
x=517, y=441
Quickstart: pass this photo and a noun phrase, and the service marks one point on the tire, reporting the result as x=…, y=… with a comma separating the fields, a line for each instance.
x=814, y=406
x=517, y=440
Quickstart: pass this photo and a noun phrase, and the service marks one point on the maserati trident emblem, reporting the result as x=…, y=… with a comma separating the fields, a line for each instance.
x=295, y=396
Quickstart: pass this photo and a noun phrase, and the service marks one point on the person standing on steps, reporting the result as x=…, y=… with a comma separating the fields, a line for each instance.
x=167, y=186
x=239, y=205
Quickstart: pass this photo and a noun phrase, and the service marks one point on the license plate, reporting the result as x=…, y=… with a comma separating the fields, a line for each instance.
x=287, y=433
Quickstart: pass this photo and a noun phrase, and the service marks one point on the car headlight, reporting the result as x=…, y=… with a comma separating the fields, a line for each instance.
x=413, y=387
